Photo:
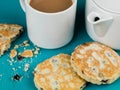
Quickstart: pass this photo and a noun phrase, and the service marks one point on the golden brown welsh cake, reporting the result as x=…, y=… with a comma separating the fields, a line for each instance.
x=56, y=73
x=8, y=33
x=96, y=63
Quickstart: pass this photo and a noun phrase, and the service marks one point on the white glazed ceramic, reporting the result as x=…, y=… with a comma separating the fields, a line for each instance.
x=50, y=30
x=106, y=29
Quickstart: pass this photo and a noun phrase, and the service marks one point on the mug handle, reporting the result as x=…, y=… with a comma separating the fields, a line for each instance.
x=22, y=3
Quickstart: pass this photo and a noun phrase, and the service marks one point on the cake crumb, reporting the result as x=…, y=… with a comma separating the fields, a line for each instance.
x=25, y=43
x=13, y=53
x=16, y=46
x=27, y=53
x=17, y=77
x=26, y=67
x=36, y=50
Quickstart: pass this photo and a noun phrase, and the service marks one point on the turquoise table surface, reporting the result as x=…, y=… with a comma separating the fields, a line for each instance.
x=11, y=12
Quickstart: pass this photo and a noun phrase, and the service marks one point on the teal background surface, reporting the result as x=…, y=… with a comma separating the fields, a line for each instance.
x=11, y=12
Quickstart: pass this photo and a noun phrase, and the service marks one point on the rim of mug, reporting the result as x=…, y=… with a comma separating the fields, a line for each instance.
x=42, y=12
x=106, y=10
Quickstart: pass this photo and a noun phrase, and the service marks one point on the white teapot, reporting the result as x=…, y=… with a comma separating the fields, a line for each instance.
x=103, y=21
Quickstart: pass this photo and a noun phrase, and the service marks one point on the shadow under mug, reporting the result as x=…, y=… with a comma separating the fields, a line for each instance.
x=50, y=30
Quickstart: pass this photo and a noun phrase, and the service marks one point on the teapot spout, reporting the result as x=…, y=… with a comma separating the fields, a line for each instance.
x=101, y=23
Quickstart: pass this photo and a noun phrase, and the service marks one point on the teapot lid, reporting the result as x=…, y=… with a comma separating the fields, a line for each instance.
x=109, y=5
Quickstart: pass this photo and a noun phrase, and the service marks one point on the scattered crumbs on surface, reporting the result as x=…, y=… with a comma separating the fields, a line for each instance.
x=16, y=46
x=27, y=53
x=13, y=53
x=11, y=62
x=17, y=77
x=36, y=51
x=14, y=69
x=26, y=67
x=25, y=43
x=37, y=48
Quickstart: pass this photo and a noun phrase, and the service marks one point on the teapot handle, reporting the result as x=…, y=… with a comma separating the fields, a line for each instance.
x=22, y=3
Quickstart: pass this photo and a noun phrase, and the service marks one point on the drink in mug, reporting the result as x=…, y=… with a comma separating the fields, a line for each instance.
x=51, y=6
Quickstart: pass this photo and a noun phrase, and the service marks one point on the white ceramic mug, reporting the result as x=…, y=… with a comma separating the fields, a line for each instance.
x=50, y=30
x=103, y=21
